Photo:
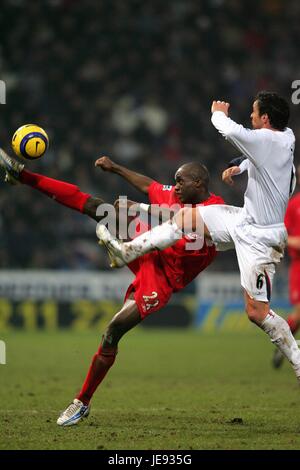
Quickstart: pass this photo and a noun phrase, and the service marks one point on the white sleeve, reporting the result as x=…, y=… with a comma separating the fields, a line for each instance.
x=254, y=144
x=244, y=166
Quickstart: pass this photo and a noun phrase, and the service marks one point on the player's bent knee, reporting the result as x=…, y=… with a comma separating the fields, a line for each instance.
x=252, y=315
x=257, y=311
x=113, y=334
x=115, y=326
x=118, y=325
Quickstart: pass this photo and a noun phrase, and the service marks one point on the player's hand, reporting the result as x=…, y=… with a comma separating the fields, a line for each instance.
x=229, y=173
x=294, y=242
x=220, y=106
x=105, y=163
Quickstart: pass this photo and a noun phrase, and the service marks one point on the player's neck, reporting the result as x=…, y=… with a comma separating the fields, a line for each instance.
x=201, y=198
x=267, y=125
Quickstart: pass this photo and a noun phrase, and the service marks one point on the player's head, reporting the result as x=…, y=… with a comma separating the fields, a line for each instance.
x=192, y=180
x=270, y=111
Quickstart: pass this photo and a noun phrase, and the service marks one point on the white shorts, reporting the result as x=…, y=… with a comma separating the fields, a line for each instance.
x=258, y=248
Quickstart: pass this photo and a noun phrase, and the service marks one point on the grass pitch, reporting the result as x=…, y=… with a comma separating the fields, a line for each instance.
x=167, y=390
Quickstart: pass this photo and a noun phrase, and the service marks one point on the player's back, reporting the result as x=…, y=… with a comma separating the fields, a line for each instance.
x=270, y=177
x=270, y=156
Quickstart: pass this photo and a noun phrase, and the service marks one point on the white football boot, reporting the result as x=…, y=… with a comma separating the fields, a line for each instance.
x=11, y=166
x=73, y=413
x=114, y=247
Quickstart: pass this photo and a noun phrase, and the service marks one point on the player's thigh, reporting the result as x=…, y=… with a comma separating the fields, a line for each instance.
x=150, y=287
x=257, y=273
x=258, y=251
x=220, y=221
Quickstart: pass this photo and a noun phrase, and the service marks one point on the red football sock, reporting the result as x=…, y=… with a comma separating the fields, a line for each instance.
x=101, y=363
x=293, y=324
x=65, y=193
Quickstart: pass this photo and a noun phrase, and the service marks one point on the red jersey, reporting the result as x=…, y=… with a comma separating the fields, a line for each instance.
x=181, y=265
x=292, y=223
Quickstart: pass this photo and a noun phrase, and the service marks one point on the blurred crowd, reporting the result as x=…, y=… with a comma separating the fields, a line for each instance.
x=132, y=80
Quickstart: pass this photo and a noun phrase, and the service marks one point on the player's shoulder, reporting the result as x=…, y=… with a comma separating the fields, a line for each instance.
x=214, y=199
x=286, y=135
x=161, y=187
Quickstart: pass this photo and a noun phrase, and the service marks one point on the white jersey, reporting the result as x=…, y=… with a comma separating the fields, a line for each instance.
x=269, y=164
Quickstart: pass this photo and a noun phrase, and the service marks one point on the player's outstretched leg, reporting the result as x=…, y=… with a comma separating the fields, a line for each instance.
x=123, y=321
x=67, y=194
x=160, y=237
x=120, y=253
x=113, y=245
x=11, y=167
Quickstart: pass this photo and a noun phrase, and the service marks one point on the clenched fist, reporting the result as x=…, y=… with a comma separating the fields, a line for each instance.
x=220, y=106
x=105, y=163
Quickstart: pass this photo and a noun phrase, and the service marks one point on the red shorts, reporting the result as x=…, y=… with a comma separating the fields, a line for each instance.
x=150, y=286
x=294, y=282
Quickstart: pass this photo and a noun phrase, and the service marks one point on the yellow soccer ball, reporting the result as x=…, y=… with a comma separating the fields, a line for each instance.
x=30, y=141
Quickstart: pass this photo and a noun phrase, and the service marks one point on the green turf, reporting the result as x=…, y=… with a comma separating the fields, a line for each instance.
x=167, y=390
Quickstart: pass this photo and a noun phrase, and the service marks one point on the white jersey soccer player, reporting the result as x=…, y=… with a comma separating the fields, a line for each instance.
x=256, y=230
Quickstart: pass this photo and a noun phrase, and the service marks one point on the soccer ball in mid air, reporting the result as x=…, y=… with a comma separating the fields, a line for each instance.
x=30, y=141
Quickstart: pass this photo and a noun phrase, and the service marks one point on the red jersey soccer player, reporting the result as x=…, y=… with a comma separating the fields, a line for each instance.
x=292, y=223
x=158, y=274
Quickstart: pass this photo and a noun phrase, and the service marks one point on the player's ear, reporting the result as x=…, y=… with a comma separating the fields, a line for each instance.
x=265, y=118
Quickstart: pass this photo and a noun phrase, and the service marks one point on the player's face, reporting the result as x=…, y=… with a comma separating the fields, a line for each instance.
x=185, y=187
x=256, y=119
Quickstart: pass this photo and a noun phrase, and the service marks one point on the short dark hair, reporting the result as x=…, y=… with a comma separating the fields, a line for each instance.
x=198, y=171
x=275, y=107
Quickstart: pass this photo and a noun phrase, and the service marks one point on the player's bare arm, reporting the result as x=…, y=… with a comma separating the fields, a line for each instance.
x=62, y=192
x=140, y=182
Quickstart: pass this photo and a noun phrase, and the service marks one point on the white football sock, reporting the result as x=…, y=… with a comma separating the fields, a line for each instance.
x=160, y=237
x=279, y=331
